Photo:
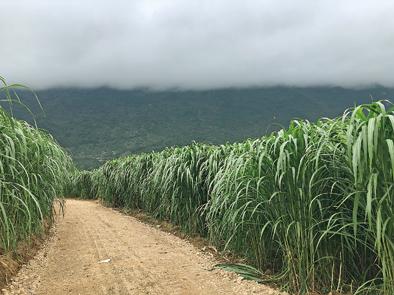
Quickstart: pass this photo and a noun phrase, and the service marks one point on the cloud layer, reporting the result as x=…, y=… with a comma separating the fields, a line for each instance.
x=197, y=44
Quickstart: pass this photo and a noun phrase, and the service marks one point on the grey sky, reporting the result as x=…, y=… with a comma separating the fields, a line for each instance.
x=197, y=44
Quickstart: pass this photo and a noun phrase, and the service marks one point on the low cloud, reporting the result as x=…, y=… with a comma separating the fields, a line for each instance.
x=197, y=44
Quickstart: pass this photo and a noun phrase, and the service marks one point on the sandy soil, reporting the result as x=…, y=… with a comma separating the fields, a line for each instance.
x=97, y=250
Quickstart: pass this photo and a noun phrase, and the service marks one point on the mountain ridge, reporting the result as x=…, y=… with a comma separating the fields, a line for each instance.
x=98, y=124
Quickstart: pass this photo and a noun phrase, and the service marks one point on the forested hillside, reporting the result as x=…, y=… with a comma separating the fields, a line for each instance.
x=99, y=124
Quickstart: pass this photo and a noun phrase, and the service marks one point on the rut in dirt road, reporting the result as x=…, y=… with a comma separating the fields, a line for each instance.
x=136, y=258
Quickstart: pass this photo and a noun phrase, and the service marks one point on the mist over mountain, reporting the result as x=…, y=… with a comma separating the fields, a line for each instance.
x=95, y=125
x=135, y=76
x=201, y=44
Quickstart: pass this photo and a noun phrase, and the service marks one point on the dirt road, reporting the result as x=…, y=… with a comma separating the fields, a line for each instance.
x=96, y=250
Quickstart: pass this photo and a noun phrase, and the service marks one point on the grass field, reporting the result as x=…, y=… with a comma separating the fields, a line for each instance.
x=34, y=171
x=311, y=206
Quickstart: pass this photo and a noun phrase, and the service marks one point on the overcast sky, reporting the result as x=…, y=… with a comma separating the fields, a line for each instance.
x=197, y=44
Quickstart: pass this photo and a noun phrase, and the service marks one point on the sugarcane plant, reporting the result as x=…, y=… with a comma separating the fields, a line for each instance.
x=34, y=171
x=312, y=205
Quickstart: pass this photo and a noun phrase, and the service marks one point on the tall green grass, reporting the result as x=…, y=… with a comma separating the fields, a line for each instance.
x=34, y=171
x=311, y=205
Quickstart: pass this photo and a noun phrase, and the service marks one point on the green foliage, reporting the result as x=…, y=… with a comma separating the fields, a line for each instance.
x=312, y=204
x=245, y=271
x=96, y=125
x=81, y=185
x=33, y=172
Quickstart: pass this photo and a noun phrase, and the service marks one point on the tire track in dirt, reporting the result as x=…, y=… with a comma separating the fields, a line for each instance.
x=144, y=260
